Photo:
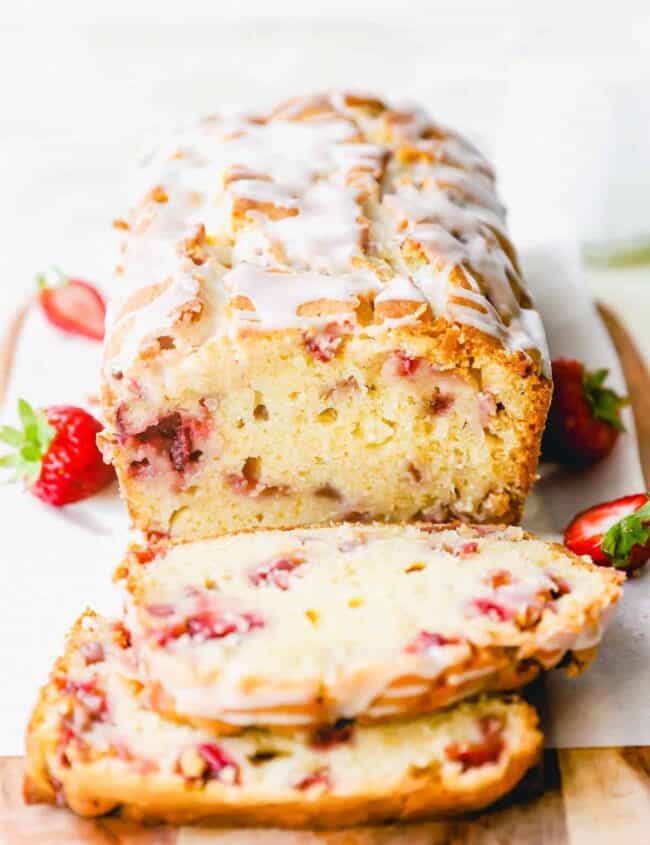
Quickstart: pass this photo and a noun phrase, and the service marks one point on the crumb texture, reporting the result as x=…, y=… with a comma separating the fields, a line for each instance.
x=318, y=315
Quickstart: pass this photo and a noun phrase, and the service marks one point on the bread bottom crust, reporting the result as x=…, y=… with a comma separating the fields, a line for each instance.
x=153, y=801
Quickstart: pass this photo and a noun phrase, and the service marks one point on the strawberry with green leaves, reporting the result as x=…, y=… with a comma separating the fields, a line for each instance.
x=613, y=533
x=584, y=422
x=55, y=453
x=73, y=305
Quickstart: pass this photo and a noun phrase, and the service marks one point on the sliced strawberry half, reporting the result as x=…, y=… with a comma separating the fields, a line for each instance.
x=73, y=305
x=615, y=533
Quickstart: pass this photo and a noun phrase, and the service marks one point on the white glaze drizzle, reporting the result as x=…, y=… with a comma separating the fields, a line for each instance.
x=313, y=196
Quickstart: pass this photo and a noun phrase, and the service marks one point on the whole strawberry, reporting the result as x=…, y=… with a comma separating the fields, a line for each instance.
x=585, y=417
x=613, y=533
x=73, y=305
x=56, y=453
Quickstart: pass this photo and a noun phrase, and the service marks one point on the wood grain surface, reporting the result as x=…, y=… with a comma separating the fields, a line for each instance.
x=589, y=796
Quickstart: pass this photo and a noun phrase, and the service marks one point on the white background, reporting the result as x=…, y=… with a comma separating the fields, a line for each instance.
x=558, y=94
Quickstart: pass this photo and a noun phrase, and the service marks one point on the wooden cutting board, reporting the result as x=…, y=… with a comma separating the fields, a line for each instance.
x=576, y=797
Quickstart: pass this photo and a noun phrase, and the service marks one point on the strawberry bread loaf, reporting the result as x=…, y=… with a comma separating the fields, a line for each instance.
x=95, y=745
x=318, y=315
x=322, y=625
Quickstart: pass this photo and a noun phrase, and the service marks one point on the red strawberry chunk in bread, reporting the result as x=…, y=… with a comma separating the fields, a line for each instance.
x=488, y=749
x=161, y=611
x=466, y=549
x=276, y=571
x=492, y=608
x=220, y=765
x=215, y=625
x=324, y=345
x=405, y=364
x=90, y=696
x=92, y=652
x=319, y=777
x=204, y=623
x=426, y=640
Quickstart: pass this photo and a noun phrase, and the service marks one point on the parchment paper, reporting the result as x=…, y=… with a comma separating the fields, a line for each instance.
x=54, y=563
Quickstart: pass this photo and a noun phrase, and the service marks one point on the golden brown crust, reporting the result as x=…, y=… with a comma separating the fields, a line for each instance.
x=91, y=790
x=103, y=785
x=423, y=795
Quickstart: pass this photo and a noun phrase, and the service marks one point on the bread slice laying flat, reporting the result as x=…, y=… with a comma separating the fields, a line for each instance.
x=294, y=628
x=95, y=745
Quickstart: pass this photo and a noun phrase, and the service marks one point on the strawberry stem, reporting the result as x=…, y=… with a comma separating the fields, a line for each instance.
x=61, y=278
x=605, y=403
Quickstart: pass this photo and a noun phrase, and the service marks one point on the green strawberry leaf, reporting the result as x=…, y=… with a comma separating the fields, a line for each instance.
x=605, y=403
x=633, y=530
x=10, y=435
x=31, y=443
x=26, y=414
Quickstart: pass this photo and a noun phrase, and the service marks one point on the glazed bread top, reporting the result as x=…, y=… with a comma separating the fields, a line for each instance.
x=256, y=627
x=332, y=210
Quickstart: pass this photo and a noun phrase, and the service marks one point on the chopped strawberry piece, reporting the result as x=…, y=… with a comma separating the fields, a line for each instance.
x=584, y=421
x=466, y=549
x=157, y=544
x=488, y=749
x=494, y=609
x=426, y=640
x=56, y=453
x=615, y=533
x=324, y=345
x=221, y=766
x=73, y=305
x=319, y=777
x=215, y=625
x=327, y=736
x=161, y=610
x=173, y=435
x=181, y=448
x=66, y=735
x=92, y=652
x=276, y=571
x=405, y=364
x=210, y=625
x=90, y=696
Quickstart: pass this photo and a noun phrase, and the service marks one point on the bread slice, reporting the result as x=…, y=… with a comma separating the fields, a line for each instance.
x=319, y=314
x=94, y=745
x=288, y=628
